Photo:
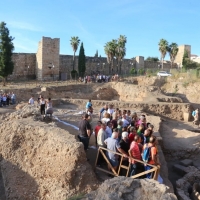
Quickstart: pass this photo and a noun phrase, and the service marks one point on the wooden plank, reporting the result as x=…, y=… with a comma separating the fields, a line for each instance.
x=143, y=173
x=127, y=173
x=124, y=167
x=120, y=165
x=111, y=167
x=155, y=177
x=96, y=158
x=106, y=171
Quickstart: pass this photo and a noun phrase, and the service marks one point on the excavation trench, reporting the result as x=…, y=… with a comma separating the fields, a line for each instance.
x=173, y=135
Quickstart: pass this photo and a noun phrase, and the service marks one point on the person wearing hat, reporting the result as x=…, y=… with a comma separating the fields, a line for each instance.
x=84, y=131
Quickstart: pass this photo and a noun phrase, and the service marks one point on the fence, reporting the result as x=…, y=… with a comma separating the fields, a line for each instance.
x=155, y=169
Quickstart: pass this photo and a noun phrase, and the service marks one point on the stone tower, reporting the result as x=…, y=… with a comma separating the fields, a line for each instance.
x=47, y=59
x=139, y=62
x=181, y=50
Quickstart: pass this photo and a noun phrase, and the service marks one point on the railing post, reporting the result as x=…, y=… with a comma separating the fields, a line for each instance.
x=155, y=177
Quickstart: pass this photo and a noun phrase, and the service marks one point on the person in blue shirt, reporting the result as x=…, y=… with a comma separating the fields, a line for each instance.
x=102, y=111
x=88, y=105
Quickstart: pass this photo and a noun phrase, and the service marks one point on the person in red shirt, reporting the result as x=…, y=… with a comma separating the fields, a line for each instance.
x=96, y=129
x=135, y=152
x=132, y=134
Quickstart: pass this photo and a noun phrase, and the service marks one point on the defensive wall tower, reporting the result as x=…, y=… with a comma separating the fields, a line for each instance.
x=47, y=59
x=181, y=50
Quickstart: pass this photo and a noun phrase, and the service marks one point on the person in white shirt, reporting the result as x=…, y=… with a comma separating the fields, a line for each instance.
x=31, y=101
x=111, y=110
x=13, y=98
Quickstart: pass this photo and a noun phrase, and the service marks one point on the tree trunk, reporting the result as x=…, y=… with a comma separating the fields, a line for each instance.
x=112, y=65
x=162, y=62
x=74, y=61
x=4, y=81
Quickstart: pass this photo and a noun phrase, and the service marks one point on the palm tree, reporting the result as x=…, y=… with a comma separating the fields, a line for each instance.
x=173, y=50
x=163, y=48
x=120, y=51
x=110, y=49
x=74, y=43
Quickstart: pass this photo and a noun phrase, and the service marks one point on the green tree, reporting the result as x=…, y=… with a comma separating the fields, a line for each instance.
x=74, y=43
x=110, y=49
x=187, y=63
x=120, y=51
x=186, y=60
x=6, y=50
x=173, y=50
x=96, y=54
x=115, y=49
x=154, y=59
x=163, y=48
x=81, y=61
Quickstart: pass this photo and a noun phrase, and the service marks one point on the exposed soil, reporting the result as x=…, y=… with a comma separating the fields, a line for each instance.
x=180, y=141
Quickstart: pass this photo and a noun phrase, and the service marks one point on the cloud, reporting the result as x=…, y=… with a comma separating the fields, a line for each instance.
x=24, y=26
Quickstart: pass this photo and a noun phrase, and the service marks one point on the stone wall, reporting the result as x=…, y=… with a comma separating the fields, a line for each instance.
x=39, y=64
x=25, y=65
x=157, y=66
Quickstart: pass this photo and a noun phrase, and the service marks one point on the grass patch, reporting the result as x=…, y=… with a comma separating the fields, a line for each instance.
x=77, y=197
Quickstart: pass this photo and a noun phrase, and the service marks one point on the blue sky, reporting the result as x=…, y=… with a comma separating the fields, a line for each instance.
x=143, y=22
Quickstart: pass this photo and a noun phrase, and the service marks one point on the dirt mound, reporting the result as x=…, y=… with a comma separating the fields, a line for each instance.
x=121, y=188
x=41, y=161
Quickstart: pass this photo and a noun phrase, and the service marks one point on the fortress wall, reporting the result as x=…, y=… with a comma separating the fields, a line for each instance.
x=22, y=61
x=38, y=63
x=157, y=66
x=48, y=55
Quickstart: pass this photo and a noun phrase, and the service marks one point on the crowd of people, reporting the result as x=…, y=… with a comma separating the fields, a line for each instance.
x=123, y=132
x=7, y=98
x=99, y=78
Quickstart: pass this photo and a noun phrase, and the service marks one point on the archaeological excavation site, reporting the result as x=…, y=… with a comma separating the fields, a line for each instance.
x=43, y=159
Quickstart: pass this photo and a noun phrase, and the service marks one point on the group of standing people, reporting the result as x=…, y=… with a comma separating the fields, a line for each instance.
x=123, y=132
x=7, y=98
x=46, y=106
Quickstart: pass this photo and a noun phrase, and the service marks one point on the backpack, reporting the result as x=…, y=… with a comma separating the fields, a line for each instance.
x=146, y=156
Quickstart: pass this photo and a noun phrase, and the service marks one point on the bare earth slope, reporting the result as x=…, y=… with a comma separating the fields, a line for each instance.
x=42, y=161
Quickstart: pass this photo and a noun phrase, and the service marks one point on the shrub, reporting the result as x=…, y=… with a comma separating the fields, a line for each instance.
x=74, y=74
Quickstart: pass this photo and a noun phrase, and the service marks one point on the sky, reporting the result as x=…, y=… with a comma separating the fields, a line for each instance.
x=143, y=22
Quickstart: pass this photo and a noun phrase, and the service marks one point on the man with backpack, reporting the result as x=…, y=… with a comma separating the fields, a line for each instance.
x=150, y=155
